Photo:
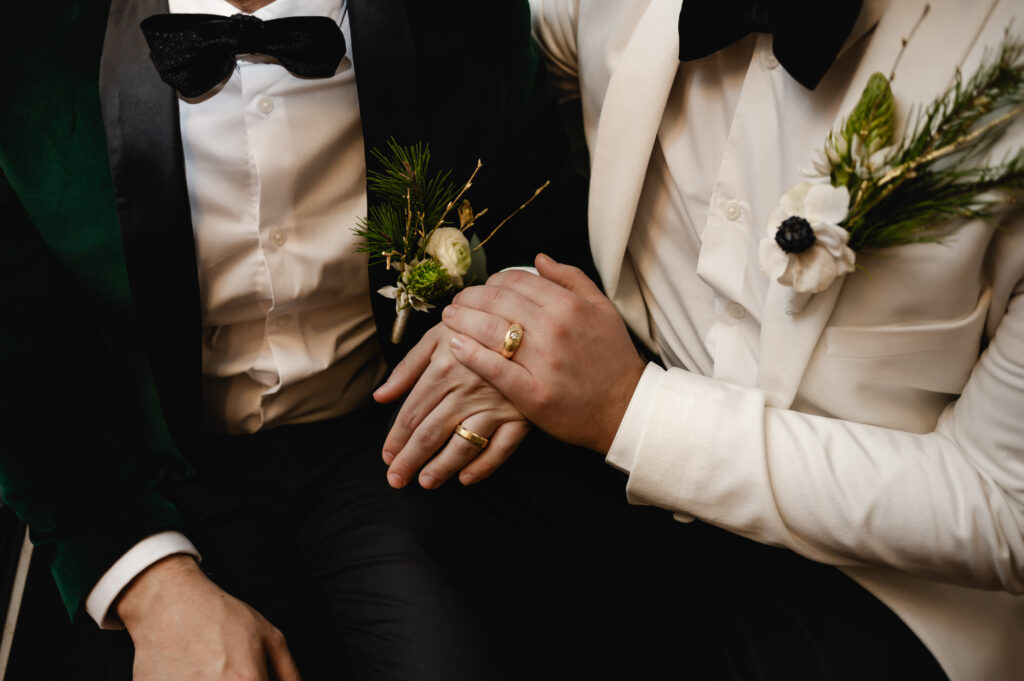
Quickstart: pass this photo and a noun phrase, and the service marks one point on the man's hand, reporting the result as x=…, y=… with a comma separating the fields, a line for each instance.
x=185, y=627
x=444, y=394
x=576, y=369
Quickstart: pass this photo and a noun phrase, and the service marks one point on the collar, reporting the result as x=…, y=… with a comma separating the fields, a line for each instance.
x=278, y=9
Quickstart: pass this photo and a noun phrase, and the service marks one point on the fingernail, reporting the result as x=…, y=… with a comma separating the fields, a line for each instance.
x=448, y=312
x=395, y=480
x=455, y=343
x=388, y=457
x=467, y=479
x=427, y=481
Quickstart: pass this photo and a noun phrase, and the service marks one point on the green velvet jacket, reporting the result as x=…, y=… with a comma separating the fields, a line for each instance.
x=100, y=347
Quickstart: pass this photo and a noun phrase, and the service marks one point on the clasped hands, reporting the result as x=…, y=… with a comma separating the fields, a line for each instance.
x=572, y=376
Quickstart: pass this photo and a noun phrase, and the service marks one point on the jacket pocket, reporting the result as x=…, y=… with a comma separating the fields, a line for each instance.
x=934, y=356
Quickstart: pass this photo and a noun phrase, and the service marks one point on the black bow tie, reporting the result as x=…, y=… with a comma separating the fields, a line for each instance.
x=194, y=52
x=806, y=34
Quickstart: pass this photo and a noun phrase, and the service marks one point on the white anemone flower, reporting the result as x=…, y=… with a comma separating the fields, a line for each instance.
x=805, y=248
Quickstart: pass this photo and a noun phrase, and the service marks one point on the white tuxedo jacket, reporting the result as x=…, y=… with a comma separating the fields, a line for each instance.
x=884, y=430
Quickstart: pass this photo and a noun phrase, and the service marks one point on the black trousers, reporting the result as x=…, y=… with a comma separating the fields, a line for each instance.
x=299, y=523
x=576, y=583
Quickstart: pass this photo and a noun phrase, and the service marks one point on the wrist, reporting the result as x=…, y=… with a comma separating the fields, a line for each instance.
x=617, y=404
x=159, y=584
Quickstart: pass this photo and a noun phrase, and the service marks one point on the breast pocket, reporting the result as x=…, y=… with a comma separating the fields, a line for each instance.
x=936, y=357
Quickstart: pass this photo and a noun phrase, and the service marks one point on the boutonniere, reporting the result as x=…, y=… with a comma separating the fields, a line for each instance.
x=875, y=192
x=412, y=230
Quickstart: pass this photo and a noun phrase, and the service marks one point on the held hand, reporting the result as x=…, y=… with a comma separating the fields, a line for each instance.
x=185, y=627
x=445, y=394
x=576, y=368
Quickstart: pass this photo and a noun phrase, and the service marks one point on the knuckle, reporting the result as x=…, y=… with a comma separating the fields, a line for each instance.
x=443, y=368
x=577, y=307
x=542, y=398
x=491, y=295
x=559, y=331
x=428, y=434
x=515, y=277
x=408, y=419
x=494, y=328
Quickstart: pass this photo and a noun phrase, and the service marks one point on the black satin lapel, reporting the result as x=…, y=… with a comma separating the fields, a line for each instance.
x=384, y=57
x=140, y=114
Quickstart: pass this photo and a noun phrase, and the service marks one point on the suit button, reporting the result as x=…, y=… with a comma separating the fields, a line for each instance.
x=736, y=311
x=732, y=210
x=278, y=237
x=265, y=104
x=770, y=62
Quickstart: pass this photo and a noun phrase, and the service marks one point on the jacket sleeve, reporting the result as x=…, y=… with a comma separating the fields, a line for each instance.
x=946, y=504
x=66, y=465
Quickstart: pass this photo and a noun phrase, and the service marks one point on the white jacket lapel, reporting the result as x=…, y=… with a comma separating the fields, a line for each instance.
x=939, y=43
x=633, y=106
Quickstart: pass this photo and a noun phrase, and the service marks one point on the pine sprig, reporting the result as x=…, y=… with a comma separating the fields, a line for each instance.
x=381, y=233
x=407, y=170
x=931, y=176
x=996, y=88
x=414, y=203
x=920, y=211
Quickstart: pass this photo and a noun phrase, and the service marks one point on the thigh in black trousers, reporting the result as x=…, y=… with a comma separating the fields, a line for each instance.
x=579, y=584
x=299, y=523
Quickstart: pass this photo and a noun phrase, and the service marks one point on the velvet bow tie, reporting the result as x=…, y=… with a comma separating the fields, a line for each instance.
x=806, y=34
x=194, y=52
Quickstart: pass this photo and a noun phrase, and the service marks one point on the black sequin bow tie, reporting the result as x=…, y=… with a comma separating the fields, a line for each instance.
x=194, y=52
x=806, y=34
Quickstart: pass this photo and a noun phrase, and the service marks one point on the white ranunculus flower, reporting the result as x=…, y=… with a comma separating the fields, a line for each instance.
x=450, y=247
x=817, y=250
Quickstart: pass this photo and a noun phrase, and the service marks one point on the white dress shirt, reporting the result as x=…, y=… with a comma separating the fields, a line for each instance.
x=276, y=175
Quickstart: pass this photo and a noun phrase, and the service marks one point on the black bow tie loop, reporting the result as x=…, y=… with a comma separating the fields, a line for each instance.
x=806, y=34
x=194, y=52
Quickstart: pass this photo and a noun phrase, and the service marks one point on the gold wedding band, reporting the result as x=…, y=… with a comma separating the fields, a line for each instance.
x=478, y=440
x=513, y=337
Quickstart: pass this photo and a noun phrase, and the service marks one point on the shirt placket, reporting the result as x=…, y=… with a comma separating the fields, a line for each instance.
x=728, y=260
x=262, y=111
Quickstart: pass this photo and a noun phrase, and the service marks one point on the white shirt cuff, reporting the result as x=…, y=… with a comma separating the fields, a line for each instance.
x=129, y=566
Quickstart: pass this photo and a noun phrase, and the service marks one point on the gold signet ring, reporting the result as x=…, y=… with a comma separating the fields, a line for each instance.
x=478, y=440
x=513, y=337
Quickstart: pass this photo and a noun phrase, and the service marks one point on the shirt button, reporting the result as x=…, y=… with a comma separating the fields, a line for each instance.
x=283, y=321
x=770, y=62
x=732, y=210
x=265, y=104
x=278, y=237
x=736, y=311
